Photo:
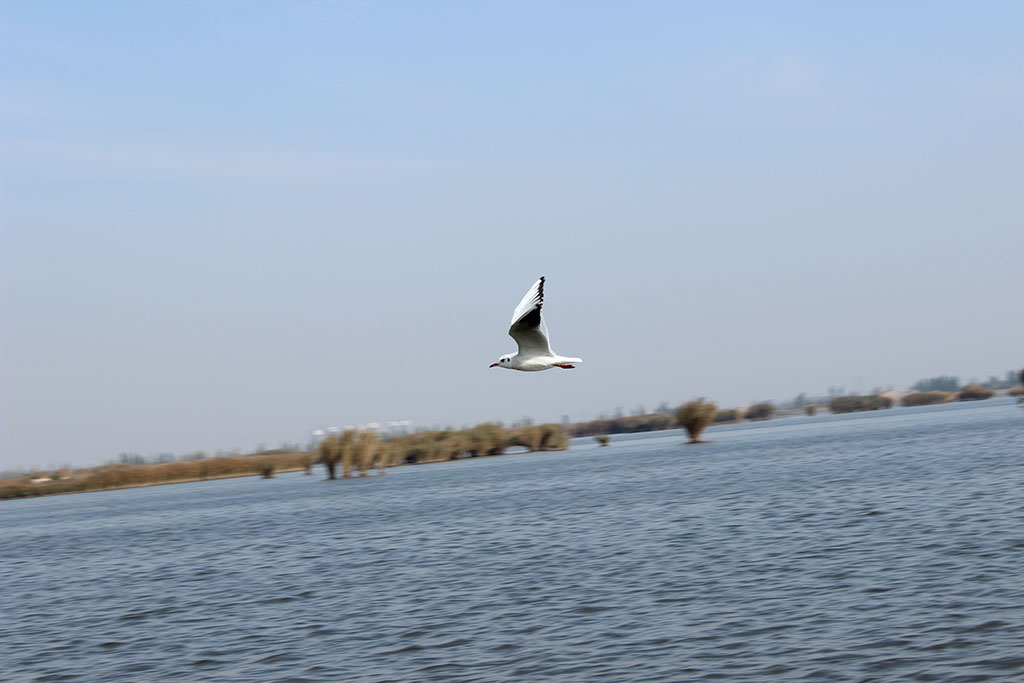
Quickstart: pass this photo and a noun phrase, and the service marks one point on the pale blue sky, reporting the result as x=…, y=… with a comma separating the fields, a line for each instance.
x=229, y=223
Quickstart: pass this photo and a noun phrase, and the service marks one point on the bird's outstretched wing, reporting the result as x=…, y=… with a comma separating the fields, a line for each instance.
x=528, y=329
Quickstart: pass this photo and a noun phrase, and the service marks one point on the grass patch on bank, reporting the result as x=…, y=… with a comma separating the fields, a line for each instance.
x=126, y=476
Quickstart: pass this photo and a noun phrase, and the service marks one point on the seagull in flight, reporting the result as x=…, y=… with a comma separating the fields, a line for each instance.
x=531, y=334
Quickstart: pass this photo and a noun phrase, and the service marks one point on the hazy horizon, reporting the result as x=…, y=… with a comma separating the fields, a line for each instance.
x=230, y=224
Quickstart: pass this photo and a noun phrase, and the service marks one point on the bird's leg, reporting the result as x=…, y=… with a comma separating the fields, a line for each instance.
x=564, y=366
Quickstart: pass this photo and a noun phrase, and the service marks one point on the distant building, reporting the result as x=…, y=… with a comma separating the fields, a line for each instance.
x=390, y=428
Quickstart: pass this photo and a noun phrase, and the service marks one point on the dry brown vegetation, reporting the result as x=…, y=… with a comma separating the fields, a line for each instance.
x=727, y=415
x=811, y=410
x=760, y=411
x=483, y=440
x=927, y=398
x=360, y=450
x=357, y=448
x=651, y=422
x=973, y=392
x=695, y=416
x=124, y=476
x=852, y=404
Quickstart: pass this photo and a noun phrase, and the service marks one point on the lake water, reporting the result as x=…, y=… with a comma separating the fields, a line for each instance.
x=874, y=546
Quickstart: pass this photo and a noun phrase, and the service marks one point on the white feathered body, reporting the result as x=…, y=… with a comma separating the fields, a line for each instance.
x=538, y=363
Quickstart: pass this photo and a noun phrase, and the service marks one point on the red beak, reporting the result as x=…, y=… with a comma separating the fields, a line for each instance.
x=493, y=365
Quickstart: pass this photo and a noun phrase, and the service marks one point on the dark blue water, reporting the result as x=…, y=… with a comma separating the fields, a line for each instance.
x=880, y=546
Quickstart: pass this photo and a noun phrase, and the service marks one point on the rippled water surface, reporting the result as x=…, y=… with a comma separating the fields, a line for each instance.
x=881, y=546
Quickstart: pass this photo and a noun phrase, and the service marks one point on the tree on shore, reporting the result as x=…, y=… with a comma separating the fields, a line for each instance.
x=941, y=383
x=695, y=416
x=760, y=411
x=973, y=392
x=330, y=454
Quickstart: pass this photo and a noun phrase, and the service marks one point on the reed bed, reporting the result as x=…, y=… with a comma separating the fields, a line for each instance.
x=125, y=476
x=853, y=404
x=354, y=448
x=483, y=440
x=927, y=398
x=973, y=392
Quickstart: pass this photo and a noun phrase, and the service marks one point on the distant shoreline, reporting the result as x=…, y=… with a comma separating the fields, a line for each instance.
x=420, y=448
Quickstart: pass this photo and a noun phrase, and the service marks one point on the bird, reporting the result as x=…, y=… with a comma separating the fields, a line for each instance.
x=531, y=334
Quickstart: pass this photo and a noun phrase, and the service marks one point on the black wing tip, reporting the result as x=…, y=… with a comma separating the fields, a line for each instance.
x=540, y=289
